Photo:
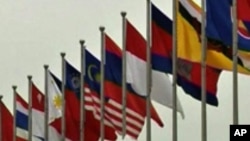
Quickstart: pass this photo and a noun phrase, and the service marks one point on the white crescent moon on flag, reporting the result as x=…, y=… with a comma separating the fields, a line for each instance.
x=89, y=72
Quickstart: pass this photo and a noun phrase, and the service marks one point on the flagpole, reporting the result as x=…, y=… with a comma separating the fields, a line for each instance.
x=14, y=112
x=30, y=107
x=235, y=63
x=149, y=70
x=203, y=74
x=1, y=135
x=63, y=97
x=102, y=81
x=46, y=113
x=174, y=61
x=124, y=74
x=82, y=92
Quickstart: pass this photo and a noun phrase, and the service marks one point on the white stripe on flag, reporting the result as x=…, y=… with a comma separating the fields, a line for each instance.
x=20, y=108
x=21, y=133
x=161, y=85
x=94, y=104
x=118, y=114
x=128, y=110
x=118, y=106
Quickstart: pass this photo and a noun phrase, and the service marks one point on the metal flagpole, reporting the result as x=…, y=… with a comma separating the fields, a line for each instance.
x=82, y=92
x=203, y=74
x=14, y=112
x=235, y=63
x=63, y=97
x=149, y=70
x=1, y=136
x=174, y=61
x=46, y=108
x=102, y=81
x=30, y=107
x=124, y=74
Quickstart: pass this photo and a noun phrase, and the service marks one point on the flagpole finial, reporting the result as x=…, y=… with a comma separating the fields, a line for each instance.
x=14, y=87
x=123, y=13
x=63, y=54
x=46, y=66
x=82, y=42
x=29, y=77
x=102, y=28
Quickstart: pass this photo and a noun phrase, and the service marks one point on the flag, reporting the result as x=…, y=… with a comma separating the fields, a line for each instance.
x=92, y=125
x=113, y=107
x=189, y=45
x=188, y=73
x=136, y=69
x=114, y=75
x=55, y=109
x=219, y=22
x=6, y=123
x=21, y=118
x=54, y=99
x=37, y=113
x=219, y=27
x=114, y=66
x=243, y=8
x=73, y=84
x=37, y=117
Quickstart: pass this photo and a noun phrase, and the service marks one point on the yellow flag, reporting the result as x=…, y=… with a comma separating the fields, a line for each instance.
x=189, y=45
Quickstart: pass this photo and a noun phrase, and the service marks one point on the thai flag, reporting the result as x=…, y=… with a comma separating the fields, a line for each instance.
x=21, y=118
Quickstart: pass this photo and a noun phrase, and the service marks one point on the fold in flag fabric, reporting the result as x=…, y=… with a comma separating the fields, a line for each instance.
x=6, y=123
x=92, y=104
x=73, y=117
x=188, y=73
x=136, y=69
x=220, y=22
x=113, y=96
x=189, y=45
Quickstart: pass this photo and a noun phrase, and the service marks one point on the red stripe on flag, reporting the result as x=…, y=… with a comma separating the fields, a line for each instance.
x=114, y=120
x=20, y=100
x=135, y=43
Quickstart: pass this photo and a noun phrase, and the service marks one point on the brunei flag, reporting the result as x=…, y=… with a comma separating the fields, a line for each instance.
x=189, y=42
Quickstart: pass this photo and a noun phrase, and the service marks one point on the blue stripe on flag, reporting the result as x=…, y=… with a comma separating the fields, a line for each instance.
x=21, y=120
